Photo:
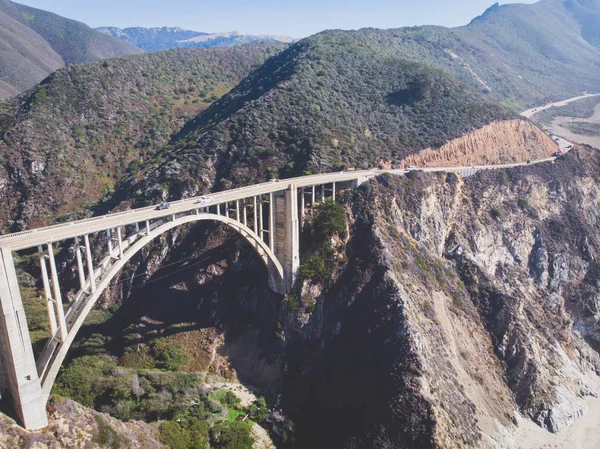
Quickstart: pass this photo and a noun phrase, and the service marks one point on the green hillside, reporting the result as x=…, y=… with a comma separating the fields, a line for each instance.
x=330, y=102
x=65, y=143
x=34, y=43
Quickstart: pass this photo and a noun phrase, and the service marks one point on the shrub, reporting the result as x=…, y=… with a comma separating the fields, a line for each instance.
x=78, y=380
x=330, y=219
x=258, y=410
x=291, y=302
x=169, y=355
x=229, y=399
x=107, y=436
x=495, y=213
x=232, y=435
x=174, y=436
x=315, y=268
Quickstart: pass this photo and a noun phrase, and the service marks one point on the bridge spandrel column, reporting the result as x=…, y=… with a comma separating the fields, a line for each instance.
x=287, y=237
x=20, y=381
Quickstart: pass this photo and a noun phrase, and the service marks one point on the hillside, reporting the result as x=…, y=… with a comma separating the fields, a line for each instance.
x=65, y=143
x=518, y=54
x=329, y=102
x=165, y=38
x=36, y=42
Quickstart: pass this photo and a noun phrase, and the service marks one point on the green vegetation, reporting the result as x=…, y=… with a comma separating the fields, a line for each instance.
x=330, y=220
x=316, y=267
x=169, y=355
x=107, y=436
x=77, y=137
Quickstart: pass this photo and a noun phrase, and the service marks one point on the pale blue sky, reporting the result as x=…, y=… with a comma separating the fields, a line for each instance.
x=299, y=18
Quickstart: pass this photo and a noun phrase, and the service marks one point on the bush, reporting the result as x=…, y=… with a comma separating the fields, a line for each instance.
x=174, y=436
x=169, y=355
x=107, y=436
x=229, y=399
x=315, y=268
x=232, y=435
x=79, y=379
x=258, y=410
x=330, y=219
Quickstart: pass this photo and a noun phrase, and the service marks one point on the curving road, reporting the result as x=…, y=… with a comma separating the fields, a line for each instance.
x=531, y=112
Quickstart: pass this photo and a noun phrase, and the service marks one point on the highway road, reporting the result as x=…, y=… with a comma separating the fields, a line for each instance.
x=531, y=112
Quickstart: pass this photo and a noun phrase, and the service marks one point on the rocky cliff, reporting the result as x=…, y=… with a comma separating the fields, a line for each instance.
x=504, y=142
x=73, y=426
x=463, y=304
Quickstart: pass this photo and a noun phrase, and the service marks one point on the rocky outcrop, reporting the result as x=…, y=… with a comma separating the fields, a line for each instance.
x=72, y=425
x=501, y=142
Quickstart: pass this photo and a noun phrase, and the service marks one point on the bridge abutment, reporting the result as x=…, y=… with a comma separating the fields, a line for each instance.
x=19, y=380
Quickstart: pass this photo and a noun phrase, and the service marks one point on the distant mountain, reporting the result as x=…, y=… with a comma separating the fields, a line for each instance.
x=156, y=39
x=34, y=43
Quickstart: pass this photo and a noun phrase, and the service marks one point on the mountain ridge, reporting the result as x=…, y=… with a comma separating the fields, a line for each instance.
x=38, y=42
x=165, y=38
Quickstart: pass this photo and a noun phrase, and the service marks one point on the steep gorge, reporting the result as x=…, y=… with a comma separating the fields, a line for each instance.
x=455, y=309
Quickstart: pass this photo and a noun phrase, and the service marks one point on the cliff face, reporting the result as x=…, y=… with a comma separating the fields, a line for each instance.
x=502, y=142
x=463, y=305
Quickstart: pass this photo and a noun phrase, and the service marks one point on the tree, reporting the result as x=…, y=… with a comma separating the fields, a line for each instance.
x=174, y=436
x=330, y=219
x=232, y=435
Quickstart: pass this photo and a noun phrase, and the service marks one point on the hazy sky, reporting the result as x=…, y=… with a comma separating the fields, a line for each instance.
x=297, y=18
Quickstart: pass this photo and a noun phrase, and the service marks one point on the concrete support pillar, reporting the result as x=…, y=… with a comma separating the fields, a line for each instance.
x=227, y=209
x=110, y=247
x=80, y=271
x=218, y=209
x=90, y=261
x=271, y=222
x=147, y=227
x=333, y=192
x=302, y=207
x=287, y=243
x=237, y=210
x=47, y=292
x=120, y=240
x=137, y=228
x=60, y=311
x=245, y=213
x=322, y=192
x=314, y=197
x=261, y=225
x=19, y=381
x=255, y=218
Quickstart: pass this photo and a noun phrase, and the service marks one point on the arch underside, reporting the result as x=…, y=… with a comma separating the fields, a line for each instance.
x=54, y=352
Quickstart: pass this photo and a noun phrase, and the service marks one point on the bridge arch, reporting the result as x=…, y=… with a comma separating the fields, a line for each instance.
x=55, y=352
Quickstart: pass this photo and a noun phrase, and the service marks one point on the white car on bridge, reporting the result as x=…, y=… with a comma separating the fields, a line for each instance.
x=204, y=200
